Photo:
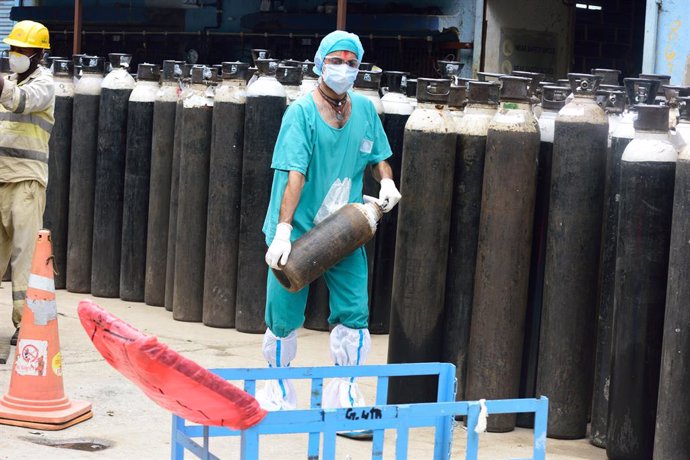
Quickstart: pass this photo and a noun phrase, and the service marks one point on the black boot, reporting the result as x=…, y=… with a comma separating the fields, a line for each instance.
x=13, y=340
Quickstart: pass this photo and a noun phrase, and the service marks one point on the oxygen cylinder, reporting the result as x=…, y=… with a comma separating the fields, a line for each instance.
x=553, y=99
x=264, y=109
x=503, y=251
x=291, y=78
x=82, y=178
x=672, y=427
x=573, y=241
x=470, y=150
x=642, y=256
x=367, y=84
x=195, y=154
x=225, y=186
x=59, y=146
x=135, y=200
x=185, y=91
x=4, y=64
x=397, y=110
x=638, y=92
x=110, y=174
x=327, y=243
x=421, y=247
x=309, y=79
x=608, y=76
x=162, y=135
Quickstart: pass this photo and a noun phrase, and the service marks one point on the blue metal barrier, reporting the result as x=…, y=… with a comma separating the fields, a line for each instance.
x=378, y=418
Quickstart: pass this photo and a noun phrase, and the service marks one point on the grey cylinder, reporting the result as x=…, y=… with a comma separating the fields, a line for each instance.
x=419, y=276
x=642, y=256
x=190, y=244
x=638, y=92
x=162, y=135
x=503, y=252
x=225, y=187
x=87, y=93
x=566, y=344
x=266, y=102
x=110, y=174
x=672, y=427
x=137, y=179
x=60, y=144
x=470, y=150
x=174, y=188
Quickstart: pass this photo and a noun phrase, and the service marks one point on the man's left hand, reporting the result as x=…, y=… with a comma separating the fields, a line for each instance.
x=388, y=195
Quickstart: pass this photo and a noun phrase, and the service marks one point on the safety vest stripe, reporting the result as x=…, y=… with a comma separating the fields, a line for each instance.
x=22, y=101
x=27, y=118
x=25, y=154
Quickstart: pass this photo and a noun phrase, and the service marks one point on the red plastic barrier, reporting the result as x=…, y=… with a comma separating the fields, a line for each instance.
x=169, y=379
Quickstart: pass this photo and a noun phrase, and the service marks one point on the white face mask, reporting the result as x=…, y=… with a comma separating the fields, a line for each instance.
x=339, y=77
x=19, y=63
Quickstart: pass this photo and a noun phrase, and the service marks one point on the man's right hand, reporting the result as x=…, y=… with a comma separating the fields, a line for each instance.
x=280, y=247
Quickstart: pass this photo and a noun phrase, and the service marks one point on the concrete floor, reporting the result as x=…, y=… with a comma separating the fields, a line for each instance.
x=133, y=427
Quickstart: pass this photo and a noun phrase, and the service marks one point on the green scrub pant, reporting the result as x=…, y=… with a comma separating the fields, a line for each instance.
x=21, y=217
x=348, y=292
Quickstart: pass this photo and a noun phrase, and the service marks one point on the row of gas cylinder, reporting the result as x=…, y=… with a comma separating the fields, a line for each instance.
x=533, y=251
x=546, y=255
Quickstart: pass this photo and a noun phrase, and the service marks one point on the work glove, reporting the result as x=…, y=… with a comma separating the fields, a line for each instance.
x=388, y=195
x=280, y=247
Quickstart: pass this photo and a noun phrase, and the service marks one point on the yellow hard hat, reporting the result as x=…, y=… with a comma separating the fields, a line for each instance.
x=29, y=34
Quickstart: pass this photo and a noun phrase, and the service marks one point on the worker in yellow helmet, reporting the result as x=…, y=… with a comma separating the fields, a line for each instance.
x=27, y=102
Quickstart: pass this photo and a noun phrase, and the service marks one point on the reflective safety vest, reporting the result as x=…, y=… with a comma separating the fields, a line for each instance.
x=26, y=120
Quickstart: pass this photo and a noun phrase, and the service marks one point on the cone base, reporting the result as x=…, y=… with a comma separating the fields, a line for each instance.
x=76, y=412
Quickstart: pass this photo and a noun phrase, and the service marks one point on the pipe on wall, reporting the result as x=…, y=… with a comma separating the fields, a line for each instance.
x=651, y=32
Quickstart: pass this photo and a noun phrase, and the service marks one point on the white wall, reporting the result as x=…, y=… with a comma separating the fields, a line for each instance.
x=538, y=16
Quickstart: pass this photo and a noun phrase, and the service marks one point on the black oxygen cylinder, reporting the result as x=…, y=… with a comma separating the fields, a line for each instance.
x=162, y=135
x=397, y=110
x=192, y=205
x=553, y=99
x=638, y=92
x=4, y=64
x=185, y=85
x=672, y=427
x=503, y=251
x=60, y=145
x=135, y=200
x=642, y=256
x=225, y=187
x=266, y=102
x=470, y=149
x=110, y=175
x=87, y=94
x=421, y=247
x=367, y=84
x=573, y=240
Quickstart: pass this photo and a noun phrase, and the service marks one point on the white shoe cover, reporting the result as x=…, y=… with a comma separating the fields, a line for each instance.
x=279, y=352
x=349, y=347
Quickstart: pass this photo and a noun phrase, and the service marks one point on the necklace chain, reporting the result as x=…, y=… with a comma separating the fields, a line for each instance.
x=338, y=105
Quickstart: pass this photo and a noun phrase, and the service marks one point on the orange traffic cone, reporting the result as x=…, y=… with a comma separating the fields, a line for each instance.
x=36, y=398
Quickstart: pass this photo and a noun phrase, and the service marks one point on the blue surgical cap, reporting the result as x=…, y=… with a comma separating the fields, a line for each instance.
x=337, y=41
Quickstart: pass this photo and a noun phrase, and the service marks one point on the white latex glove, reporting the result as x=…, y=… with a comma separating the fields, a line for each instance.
x=388, y=195
x=280, y=247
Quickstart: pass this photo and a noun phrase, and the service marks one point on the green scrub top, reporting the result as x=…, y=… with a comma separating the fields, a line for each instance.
x=333, y=160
